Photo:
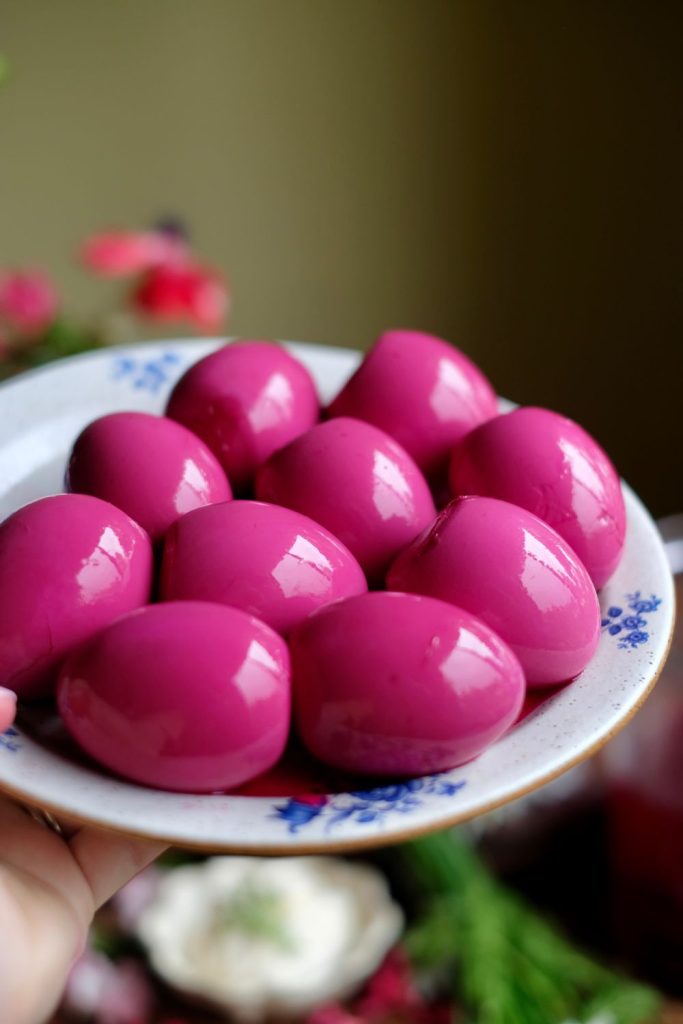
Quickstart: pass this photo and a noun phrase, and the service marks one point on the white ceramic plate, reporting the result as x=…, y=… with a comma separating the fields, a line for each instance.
x=40, y=415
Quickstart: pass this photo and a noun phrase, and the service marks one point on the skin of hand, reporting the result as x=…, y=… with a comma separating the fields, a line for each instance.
x=50, y=888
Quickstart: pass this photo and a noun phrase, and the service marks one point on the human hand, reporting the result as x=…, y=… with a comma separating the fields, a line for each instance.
x=50, y=888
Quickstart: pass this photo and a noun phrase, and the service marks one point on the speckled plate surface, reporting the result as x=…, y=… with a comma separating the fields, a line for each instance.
x=296, y=810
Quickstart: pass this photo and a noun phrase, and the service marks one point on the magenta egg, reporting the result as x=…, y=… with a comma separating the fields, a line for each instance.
x=272, y=562
x=149, y=466
x=512, y=570
x=397, y=684
x=245, y=401
x=421, y=390
x=357, y=482
x=69, y=565
x=186, y=696
x=549, y=465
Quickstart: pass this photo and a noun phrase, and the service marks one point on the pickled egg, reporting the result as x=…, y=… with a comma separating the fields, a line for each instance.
x=245, y=401
x=272, y=562
x=397, y=684
x=549, y=465
x=512, y=570
x=357, y=482
x=422, y=391
x=149, y=466
x=185, y=696
x=69, y=565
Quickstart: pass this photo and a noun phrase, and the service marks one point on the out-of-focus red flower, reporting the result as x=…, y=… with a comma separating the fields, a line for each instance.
x=390, y=997
x=122, y=253
x=390, y=988
x=28, y=301
x=194, y=294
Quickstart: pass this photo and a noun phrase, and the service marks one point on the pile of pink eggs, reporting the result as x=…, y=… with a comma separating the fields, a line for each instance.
x=249, y=567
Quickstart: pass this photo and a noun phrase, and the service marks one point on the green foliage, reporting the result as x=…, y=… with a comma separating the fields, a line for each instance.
x=506, y=964
x=113, y=943
x=59, y=340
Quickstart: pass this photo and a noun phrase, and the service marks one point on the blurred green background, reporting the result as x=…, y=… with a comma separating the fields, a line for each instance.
x=506, y=174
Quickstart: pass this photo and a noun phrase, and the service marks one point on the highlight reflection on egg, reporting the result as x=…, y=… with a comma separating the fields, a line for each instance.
x=517, y=574
x=272, y=562
x=69, y=565
x=187, y=696
x=397, y=684
x=357, y=482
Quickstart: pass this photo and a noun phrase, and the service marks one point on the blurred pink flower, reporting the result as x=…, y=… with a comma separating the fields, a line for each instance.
x=107, y=992
x=121, y=253
x=136, y=896
x=28, y=301
x=194, y=294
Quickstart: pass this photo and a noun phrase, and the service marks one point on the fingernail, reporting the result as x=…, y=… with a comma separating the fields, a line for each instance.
x=6, y=694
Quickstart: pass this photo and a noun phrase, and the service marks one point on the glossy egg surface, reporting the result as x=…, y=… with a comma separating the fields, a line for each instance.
x=551, y=466
x=270, y=561
x=69, y=565
x=356, y=481
x=245, y=401
x=512, y=570
x=422, y=391
x=185, y=696
x=149, y=466
x=397, y=684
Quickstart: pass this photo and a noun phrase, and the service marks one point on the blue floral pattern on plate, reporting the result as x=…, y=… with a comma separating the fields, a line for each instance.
x=628, y=623
x=9, y=740
x=366, y=807
x=146, y=374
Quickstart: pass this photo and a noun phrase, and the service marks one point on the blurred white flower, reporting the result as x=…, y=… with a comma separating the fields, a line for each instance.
x=259, y=937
